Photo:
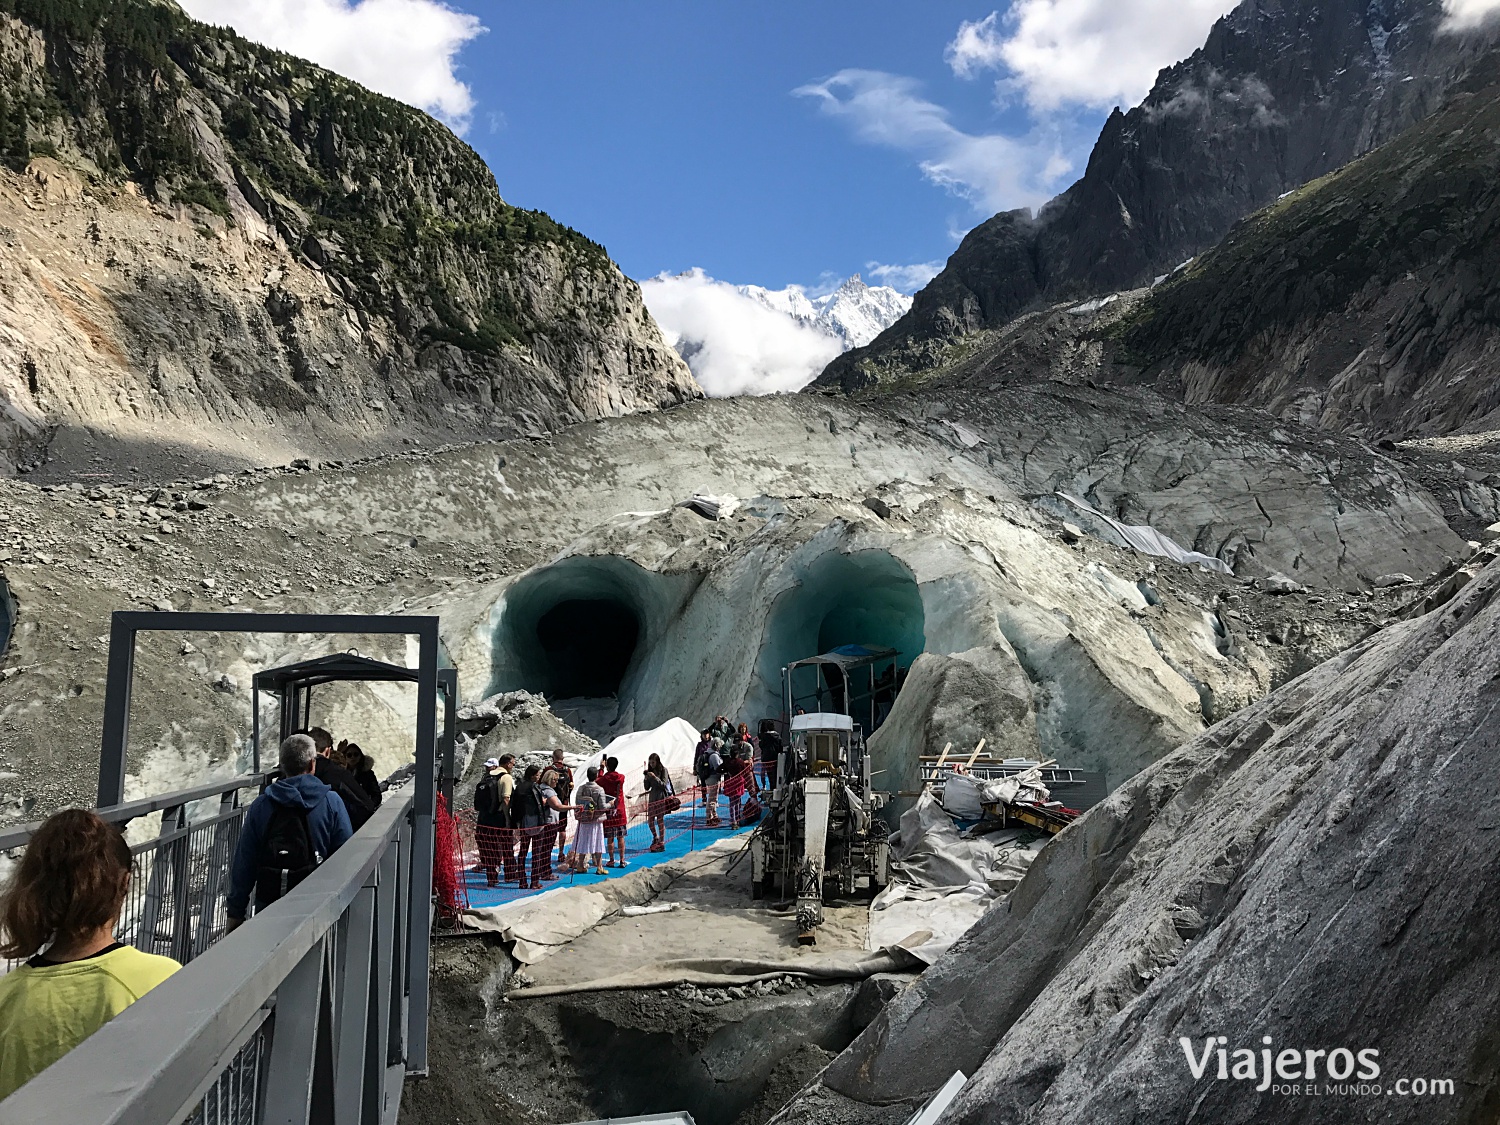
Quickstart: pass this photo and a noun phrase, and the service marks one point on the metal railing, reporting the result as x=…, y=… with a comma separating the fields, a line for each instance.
x=304, y=1014
x=175, y=905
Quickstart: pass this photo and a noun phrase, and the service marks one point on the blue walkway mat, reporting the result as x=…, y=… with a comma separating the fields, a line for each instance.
x=685, y=833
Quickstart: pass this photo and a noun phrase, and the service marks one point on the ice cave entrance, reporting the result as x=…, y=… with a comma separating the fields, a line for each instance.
x=573, y=631
x=862, y=598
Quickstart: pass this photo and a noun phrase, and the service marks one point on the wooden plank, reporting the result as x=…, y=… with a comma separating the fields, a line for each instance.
x=975, y=756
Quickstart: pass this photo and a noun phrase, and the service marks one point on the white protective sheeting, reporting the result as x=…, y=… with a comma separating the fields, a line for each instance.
x=675, y=740
x=943, y=882
x=1150, y=541
x=711, y=507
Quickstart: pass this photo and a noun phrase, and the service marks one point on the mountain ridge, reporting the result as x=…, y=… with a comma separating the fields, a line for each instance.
x=348, y=249
x=854, y=312
x=1277, y=96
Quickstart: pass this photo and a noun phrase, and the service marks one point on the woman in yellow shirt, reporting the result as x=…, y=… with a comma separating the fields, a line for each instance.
x=66, y=896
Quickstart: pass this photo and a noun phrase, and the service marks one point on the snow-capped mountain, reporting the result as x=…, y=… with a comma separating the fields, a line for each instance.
x=749, y=340
x=854, y=313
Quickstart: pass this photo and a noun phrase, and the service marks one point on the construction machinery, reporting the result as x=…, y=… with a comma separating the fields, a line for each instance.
x=821, y=836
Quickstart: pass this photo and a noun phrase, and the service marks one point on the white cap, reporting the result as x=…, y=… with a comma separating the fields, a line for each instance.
x=492, y=763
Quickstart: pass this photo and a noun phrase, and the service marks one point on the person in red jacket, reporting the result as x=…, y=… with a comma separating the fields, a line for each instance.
x=737, y=781
x=612, y=781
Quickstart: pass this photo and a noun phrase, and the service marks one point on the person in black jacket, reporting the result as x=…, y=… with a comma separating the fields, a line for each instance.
x=362, y=766
x=340, y=780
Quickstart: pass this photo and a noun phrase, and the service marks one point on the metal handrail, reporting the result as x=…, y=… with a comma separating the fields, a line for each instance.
x=151, y=1063
x=19, y=835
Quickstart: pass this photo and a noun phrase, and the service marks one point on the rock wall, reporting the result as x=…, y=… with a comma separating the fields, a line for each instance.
x=220, y=254
x=1366, y=302
x=1289, y=873
x=453, y=532
x=1280, y=94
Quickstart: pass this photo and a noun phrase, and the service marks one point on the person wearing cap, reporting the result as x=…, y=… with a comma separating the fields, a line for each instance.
x=493, y=831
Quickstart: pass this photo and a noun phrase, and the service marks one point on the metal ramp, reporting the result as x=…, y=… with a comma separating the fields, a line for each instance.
x=315, y=1010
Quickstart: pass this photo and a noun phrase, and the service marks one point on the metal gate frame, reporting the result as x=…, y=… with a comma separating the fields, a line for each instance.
x=126, y=626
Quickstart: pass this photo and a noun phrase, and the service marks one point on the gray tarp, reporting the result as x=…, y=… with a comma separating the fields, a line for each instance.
x=1150, y=541
x=724, y=972
x=710, y=934
x=943, y=882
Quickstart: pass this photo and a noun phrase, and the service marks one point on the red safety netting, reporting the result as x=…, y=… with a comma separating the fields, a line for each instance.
x=447, y=861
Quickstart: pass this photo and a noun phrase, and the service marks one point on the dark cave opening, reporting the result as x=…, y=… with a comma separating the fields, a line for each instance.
x=586, y=645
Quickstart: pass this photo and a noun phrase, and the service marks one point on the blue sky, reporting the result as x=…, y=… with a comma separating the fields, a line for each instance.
x=775, y=143
x=670, y=132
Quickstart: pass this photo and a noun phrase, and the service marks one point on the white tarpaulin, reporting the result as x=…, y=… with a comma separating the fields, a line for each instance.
x=675, y=740
x=1150, y=541
x=942, y=881
x=711, y=507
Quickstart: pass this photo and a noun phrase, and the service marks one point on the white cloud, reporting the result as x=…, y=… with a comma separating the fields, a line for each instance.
x=992, y=170
x=908, y=279
x=1095, y=53
x=1465, y=15
x=734, y=344
x=979, y=45
x=405, y=49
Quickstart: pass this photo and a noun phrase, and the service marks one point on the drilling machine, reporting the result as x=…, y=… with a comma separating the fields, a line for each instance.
x=820, y=836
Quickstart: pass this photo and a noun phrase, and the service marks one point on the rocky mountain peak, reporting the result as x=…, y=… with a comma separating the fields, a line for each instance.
x=1280, y=94
x=228, y=248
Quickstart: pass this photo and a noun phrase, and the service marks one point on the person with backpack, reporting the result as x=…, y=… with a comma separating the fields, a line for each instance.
x=559, y=778
x=539, y=809
x=492, y=831
x=708, y=767
x=292, y=827
x=340, y=780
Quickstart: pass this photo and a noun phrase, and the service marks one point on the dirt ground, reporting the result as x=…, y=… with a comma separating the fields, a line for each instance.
x=730, y=1056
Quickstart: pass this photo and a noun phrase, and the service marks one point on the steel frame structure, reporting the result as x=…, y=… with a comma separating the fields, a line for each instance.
x=124, y=630
x=317, y=1009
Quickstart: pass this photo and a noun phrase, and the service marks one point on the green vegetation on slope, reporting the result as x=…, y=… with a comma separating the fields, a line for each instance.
x=380, y=194
x=1428, y=202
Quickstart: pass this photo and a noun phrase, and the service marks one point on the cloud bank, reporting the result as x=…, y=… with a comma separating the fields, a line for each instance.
x=405, y=49
x=908, y=279
x=734, y=344
x=992, y=170
x=1465, y=15
x=1095, y=53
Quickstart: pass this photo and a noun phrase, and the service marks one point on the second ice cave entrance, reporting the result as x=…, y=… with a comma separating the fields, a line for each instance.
x=862, y=598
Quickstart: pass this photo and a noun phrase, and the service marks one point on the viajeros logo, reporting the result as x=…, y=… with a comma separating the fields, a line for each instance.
x=1300, y=1072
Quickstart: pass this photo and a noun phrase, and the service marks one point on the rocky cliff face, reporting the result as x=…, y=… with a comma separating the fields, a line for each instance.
x=214, y=248
x=1367, y=302
x=1279, y=94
